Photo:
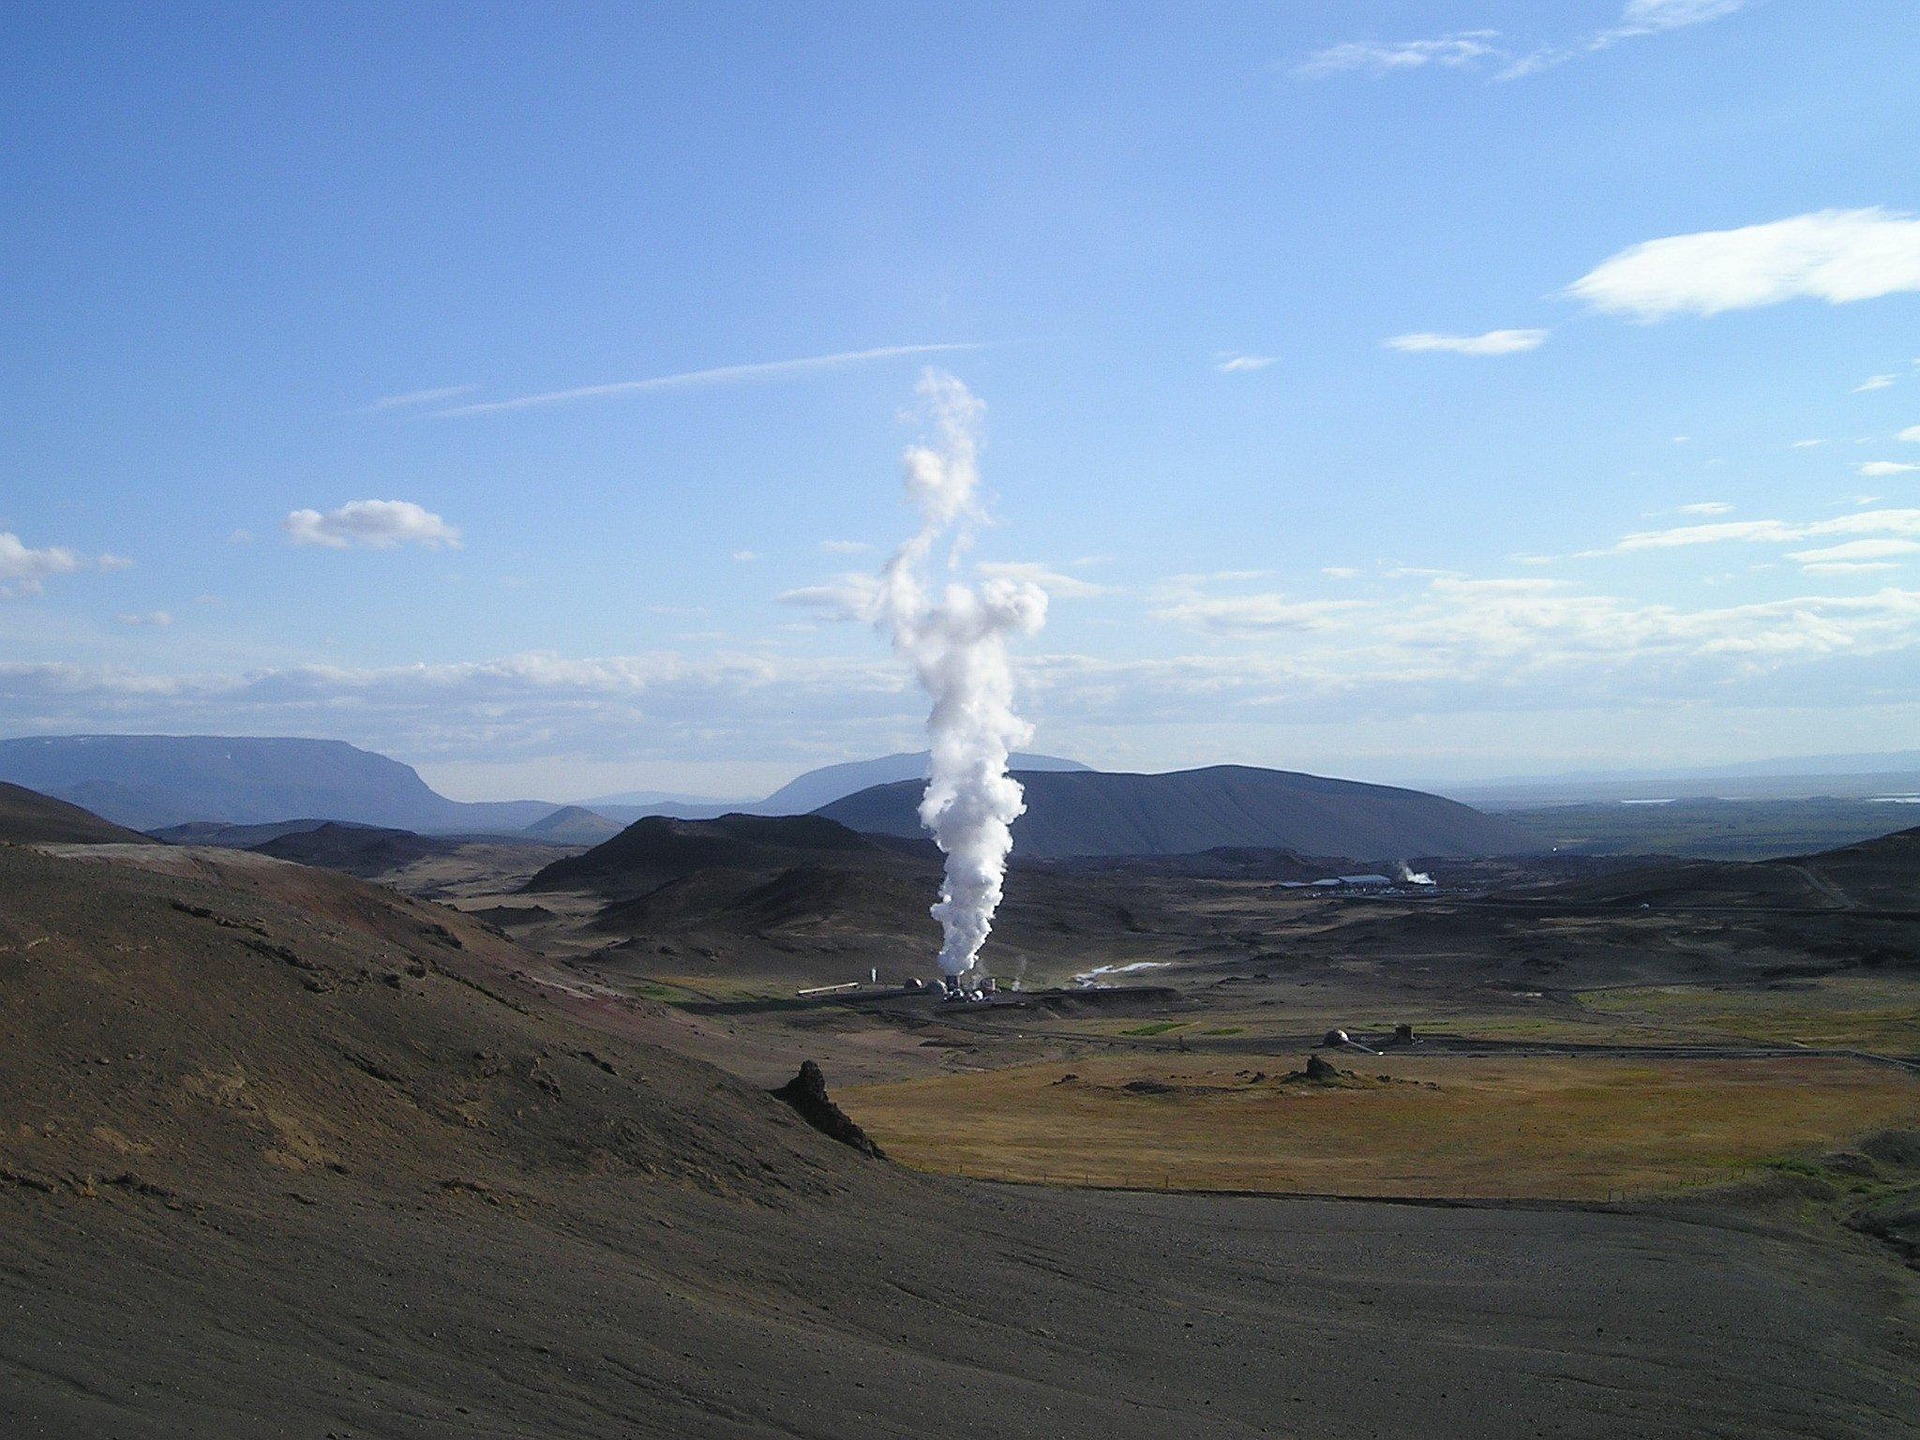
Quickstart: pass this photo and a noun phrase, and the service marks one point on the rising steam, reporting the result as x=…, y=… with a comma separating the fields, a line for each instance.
x=954, y=635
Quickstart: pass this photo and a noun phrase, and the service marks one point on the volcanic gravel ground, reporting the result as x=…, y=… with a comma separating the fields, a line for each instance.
x=287, y=1155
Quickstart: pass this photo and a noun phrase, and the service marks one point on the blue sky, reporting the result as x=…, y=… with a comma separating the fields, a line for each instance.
x=1325, y=387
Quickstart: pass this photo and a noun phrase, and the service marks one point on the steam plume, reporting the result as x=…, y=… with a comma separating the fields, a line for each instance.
x=956, y=642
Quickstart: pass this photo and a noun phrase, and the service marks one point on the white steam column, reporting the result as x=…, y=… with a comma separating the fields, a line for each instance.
x=956, y=644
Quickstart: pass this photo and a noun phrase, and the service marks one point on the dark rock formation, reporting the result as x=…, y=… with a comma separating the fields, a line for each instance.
x=807, y=1093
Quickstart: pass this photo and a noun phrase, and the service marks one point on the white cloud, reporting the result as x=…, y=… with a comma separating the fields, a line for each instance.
x=1879, y=469
x=24, y=571
x=240, y=537
x=114, y=562
x=1904, y=523
x=1875, y=382
x=1340, y=572
x=1465, y=47
x=1807, y=444
x=152, y=617
x=745, y=557
x=1838, y=256
x=1063, y=587
x=1706, y=507
x=845, y=547
x=1494, y=342
x=376, y=524
x=719, y=375
x=1912, y=432
x=1447, y=644
x=1239, y=364
x=1854, y=551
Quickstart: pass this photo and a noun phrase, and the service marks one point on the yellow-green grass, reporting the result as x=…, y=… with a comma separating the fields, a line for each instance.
x=1882, y=1016
x=1519, y=1127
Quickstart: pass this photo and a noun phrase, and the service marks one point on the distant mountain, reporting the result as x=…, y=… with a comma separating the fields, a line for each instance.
x=807, y=793
x=655, y=797
x=1081, y=813
x=153, y=781
x=1800, y=777
x=804, y=793
x=573, y=825
x=236, y=837
x=29, y=818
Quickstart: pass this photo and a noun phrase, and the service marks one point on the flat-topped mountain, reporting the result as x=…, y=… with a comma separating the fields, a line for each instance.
x=152, y=781
x=1090, y=813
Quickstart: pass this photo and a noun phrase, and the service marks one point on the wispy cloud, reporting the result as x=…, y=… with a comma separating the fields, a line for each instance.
x=719, y=375
x=1875, y=382
x=1903, y=523
x=1462, y=48
x=1654, y=17
x=1807, y=444
x=1473, y=49
x=374, y=524
x=1706, y=507
x=157, y=618
x=1912, y=433
x=845, y=547
x=415, y=398
x=1494, y=342
x=1234, y=364
x=744, y=557
x=1854, y=555
x=1880, y=469
x=1838, y=256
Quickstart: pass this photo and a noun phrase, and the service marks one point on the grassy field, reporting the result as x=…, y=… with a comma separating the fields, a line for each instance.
x=1523, y=1128
x=1843, y=1012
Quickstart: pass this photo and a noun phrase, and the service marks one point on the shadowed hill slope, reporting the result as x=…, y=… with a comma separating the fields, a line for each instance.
x=1096, y=813
x=28, y=817
x=653, y=851
x=1875, y=875
x=288, y=1154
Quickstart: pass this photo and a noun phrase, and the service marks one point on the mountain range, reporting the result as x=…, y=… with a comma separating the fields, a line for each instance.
x=1095, y=813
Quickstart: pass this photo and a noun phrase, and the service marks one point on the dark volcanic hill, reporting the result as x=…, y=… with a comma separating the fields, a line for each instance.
x=152, y=781
x=28, y=817
x=651, y=852
x=363, y=850
x=1096, y=813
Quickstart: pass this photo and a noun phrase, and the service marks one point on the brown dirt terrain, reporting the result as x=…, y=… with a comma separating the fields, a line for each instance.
x=288, y=1154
